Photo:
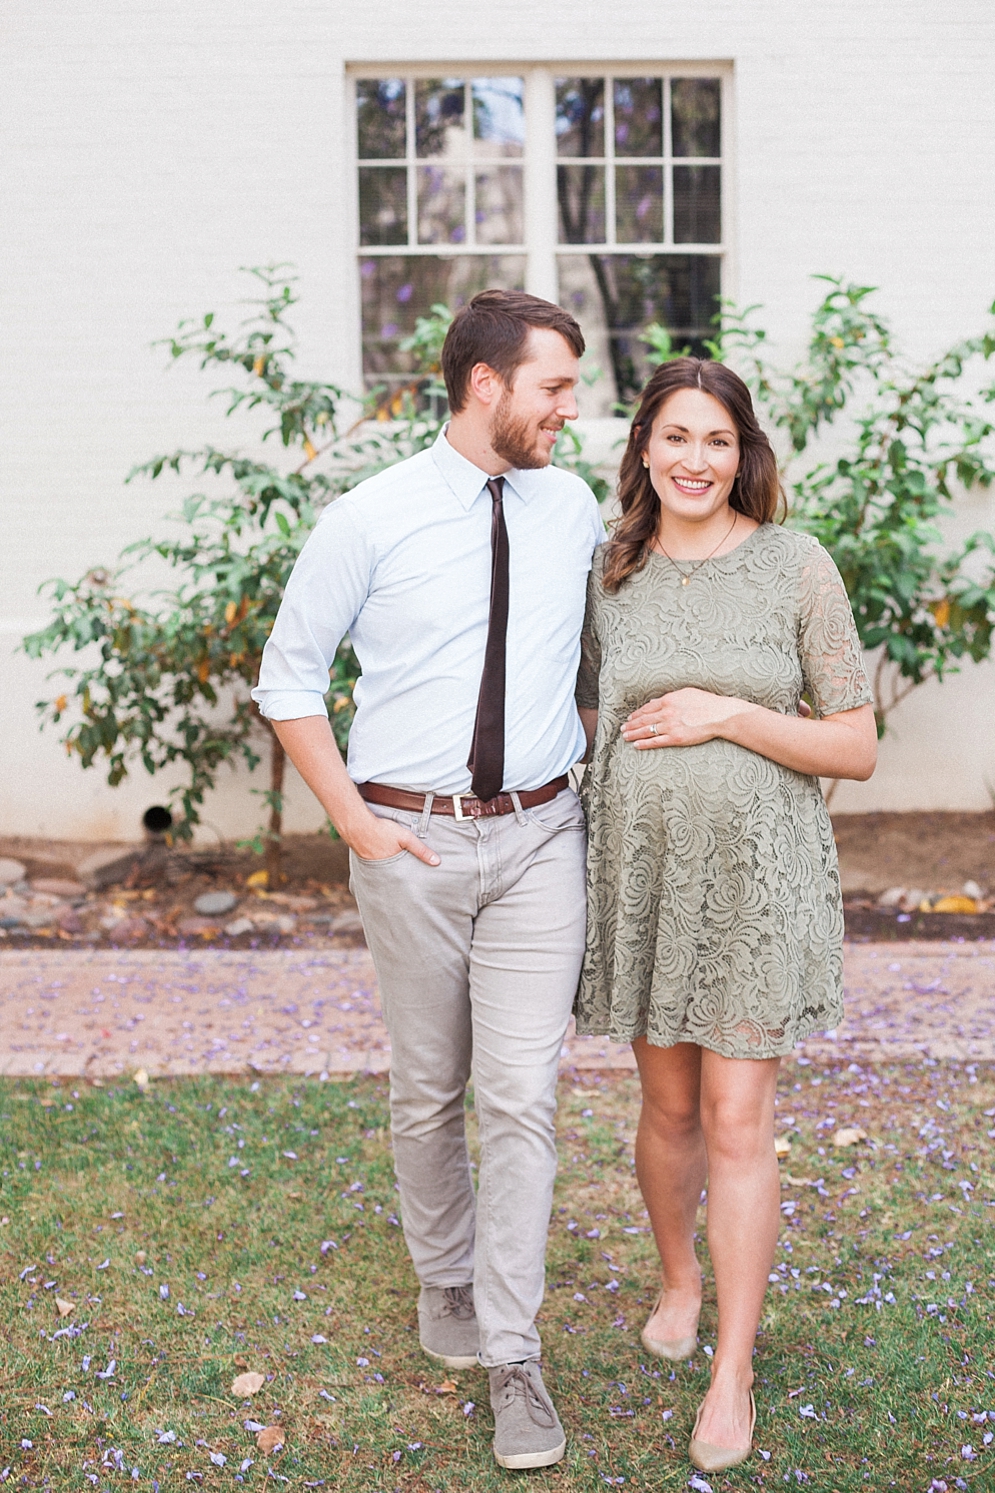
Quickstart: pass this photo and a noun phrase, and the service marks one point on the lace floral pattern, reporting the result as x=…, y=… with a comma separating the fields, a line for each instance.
x=714, y=913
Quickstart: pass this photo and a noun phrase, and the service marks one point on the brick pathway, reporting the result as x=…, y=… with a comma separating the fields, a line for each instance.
x=106, y=1012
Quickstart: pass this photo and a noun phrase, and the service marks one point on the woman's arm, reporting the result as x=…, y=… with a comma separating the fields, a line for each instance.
x=589, y=720
x=837, y=746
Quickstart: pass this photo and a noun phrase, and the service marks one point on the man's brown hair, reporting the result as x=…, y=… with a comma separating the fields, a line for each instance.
x=493, y=328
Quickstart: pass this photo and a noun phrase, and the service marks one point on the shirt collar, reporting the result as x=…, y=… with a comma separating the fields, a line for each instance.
x=467, y=481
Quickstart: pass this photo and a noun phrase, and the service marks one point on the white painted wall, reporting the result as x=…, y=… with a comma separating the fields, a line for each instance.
x=152, y=149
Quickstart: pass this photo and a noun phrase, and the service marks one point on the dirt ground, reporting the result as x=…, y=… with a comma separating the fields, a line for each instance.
x=933, y=852
x=938, y=852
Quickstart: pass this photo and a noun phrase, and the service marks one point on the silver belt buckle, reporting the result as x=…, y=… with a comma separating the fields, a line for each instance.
x=458, y=806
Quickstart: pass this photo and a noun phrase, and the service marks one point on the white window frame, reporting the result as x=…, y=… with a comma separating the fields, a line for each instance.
x=539, y=161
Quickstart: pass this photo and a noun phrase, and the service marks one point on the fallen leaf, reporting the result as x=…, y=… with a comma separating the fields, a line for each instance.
x=248, y=1384
x=447, y=1387
x=270, y=1438
x=63, y=1307
x=791, y=1181
x=955, y=904
x=258, y=878
x=141, y=1078
x=140, y=1259
x=782, y=1147
x=849, y=1136
x=240, y=1362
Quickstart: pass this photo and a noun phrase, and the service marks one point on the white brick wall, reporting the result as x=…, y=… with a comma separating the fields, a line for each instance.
x=151, y=149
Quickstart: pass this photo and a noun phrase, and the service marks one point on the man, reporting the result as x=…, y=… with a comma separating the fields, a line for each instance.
x=460, y=575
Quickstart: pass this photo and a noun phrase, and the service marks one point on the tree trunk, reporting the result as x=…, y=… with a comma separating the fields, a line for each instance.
x=274, y=842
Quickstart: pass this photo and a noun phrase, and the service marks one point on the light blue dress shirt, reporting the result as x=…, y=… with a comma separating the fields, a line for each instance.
x=403, y=564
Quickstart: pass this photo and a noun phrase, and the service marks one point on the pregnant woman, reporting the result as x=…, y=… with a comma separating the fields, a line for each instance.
x=715, y=920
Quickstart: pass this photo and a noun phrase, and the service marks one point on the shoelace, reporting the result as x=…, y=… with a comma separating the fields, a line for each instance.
x=458, y=1302
x=514, y=1381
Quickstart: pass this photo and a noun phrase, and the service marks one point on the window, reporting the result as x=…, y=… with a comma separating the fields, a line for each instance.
x=602, y=190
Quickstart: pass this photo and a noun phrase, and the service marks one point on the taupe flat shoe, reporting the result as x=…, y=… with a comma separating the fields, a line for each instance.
x=675, y=1349
x=709, y=1458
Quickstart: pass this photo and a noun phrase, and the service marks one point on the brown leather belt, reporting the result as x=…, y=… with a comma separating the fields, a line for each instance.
x=460, y=805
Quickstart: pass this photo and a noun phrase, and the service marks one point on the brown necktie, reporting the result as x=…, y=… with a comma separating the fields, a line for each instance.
x=486, y=760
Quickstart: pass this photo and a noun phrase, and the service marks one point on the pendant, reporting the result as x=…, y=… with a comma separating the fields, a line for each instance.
x=685, y=579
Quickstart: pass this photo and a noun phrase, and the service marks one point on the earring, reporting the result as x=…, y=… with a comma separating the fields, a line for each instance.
x=646, y=464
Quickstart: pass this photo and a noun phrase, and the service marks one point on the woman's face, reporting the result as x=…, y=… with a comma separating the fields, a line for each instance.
x=693, y=455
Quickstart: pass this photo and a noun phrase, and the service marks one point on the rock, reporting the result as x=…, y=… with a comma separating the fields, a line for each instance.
x=40, y=917
x=213, y=904
x=347, y=922
x=70, y=921
x=893, y=897
x=56, y=886
x=105, y=867
x=10, y=872
x=971, y=889
x=127, y=929
x=239, y=926
x=913, y=900
x=197, y=928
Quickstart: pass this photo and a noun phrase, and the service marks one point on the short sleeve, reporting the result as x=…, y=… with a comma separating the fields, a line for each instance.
x=588, y=676
x=828, y=645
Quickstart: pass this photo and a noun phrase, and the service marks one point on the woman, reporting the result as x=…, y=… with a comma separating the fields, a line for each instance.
x=715, y=918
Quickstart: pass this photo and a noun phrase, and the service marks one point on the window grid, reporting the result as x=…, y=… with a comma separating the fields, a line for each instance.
x=473, y=163
x=666, y=163
x=614, y=287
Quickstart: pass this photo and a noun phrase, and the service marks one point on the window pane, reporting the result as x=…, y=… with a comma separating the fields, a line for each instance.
x=581, y=193
x=639, y=204
x=396, y=290
x=498, y=116
x=380, y=118
x=439, y=122
x=580, y=116
x=383, y=205
x=614, y=296
x=697, y=214
x=441, y=205
x=638, y=117
x=695, y=116
x=499, y=216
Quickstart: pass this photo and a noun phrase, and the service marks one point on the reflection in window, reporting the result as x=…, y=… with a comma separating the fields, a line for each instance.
x=383, y=205
x=638, y=164
x=580, y=191
x=380, y=111
x=440, y=167
x=695, y=116
x=398, y=288
x=638, y=116
x=614, y=296
x=442, y=171
x=580, y=117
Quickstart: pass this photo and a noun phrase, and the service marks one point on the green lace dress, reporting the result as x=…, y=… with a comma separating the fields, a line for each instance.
x=714, y=912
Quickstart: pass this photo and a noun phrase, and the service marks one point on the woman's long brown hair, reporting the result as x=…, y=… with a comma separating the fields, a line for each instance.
x=756, y=490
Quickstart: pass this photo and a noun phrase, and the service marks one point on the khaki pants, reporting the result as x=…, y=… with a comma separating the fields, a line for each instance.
x=478, y=961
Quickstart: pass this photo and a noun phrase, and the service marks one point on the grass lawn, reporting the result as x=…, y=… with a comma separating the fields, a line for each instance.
x=207, y=1227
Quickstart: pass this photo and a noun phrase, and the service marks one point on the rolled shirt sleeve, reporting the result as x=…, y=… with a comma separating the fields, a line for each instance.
x=327, y=587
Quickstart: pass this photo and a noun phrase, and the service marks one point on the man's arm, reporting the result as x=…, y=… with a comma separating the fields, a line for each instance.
x=310, y=745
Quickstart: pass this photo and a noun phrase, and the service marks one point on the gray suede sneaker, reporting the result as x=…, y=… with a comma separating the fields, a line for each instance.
x=447, y=1325
x=527, y=1430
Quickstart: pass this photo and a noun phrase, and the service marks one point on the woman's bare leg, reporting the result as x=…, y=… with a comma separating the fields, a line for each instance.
x=670, y=1167
x=737, y=1116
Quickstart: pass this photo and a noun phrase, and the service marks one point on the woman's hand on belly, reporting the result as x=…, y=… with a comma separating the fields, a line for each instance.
x=843, y=745
x=685, y=717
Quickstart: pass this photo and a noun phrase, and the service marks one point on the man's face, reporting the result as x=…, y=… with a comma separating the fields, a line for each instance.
x=529, y=415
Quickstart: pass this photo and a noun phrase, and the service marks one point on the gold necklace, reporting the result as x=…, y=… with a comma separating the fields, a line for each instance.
x=686, y=578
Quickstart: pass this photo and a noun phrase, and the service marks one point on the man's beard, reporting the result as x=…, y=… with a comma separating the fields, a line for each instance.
x=516, y=440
